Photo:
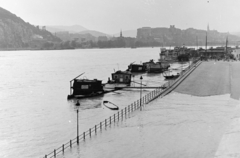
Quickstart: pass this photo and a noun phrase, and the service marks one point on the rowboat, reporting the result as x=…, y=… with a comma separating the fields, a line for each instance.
x=110, y=105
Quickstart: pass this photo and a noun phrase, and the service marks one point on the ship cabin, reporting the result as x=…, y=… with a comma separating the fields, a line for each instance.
x=122, y=77
x=136, y=68
x=86, y=86
x=151, y=66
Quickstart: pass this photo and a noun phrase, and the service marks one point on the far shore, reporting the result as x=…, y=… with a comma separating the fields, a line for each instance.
x=168, y=47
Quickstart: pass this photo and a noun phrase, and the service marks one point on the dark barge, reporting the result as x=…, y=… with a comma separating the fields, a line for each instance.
x=136, y=68
x=84, y=88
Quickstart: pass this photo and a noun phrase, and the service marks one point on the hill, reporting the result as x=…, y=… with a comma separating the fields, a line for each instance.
x=18, y=34
x=94, y=33
x=70, y=29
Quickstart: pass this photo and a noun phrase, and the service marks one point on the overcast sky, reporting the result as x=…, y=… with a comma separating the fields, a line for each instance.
x=110, y=16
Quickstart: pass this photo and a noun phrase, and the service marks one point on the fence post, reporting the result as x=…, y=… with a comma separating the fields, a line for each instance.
x=110, y=120
x=83, y=135
x=105, y=123
x=90, y=132
x=118, y=115
x=114, y=118
x=54, y=152
x=95, y=129
x=122, y=113
x=45, y=156
x=101, y=126
x=63, y=148
x=125, y=112
x=70, y=143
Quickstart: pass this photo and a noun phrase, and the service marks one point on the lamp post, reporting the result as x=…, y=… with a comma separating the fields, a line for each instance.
x=77, y=129
x=141, y=94
x=77, y=107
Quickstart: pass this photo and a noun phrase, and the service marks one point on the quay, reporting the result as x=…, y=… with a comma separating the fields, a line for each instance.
x=200, y=118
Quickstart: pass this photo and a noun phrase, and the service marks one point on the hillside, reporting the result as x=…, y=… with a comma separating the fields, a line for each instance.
x=93, y=33
x=70, y=29
x=18, y=34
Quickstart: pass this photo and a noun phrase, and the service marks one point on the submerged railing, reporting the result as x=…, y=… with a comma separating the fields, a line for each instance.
x=125, y=112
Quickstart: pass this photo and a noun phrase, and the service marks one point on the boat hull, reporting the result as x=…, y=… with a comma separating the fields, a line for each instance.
x=110, y=105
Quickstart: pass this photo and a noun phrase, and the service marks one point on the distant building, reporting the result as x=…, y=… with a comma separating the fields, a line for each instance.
x=144, y=33
x=44, y=28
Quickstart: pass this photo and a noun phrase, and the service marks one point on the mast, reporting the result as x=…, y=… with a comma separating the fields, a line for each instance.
x=226, y=44
x=197, y=41
x=206, y=42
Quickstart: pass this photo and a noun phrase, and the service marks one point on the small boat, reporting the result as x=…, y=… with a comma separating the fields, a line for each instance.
x=172, y=76
x=110, y=105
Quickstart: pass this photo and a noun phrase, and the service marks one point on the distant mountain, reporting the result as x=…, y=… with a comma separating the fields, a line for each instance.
x=94, y=33
x=16, y=33
x=127, y=33
x=70, y=29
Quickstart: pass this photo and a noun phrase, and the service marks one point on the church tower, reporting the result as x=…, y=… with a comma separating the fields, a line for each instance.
x=121, y=34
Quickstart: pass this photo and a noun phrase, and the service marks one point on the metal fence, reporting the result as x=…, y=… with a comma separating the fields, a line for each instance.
x=125, y=112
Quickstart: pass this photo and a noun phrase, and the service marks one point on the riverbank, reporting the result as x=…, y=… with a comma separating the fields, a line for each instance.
x=202, y=122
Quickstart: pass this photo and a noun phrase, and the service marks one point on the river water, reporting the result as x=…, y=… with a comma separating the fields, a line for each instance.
x=35, y=115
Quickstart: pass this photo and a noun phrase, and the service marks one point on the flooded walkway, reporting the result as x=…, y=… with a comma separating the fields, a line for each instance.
x=200, y=119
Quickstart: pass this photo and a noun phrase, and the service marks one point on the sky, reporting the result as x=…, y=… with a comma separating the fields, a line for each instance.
x=111, y=16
